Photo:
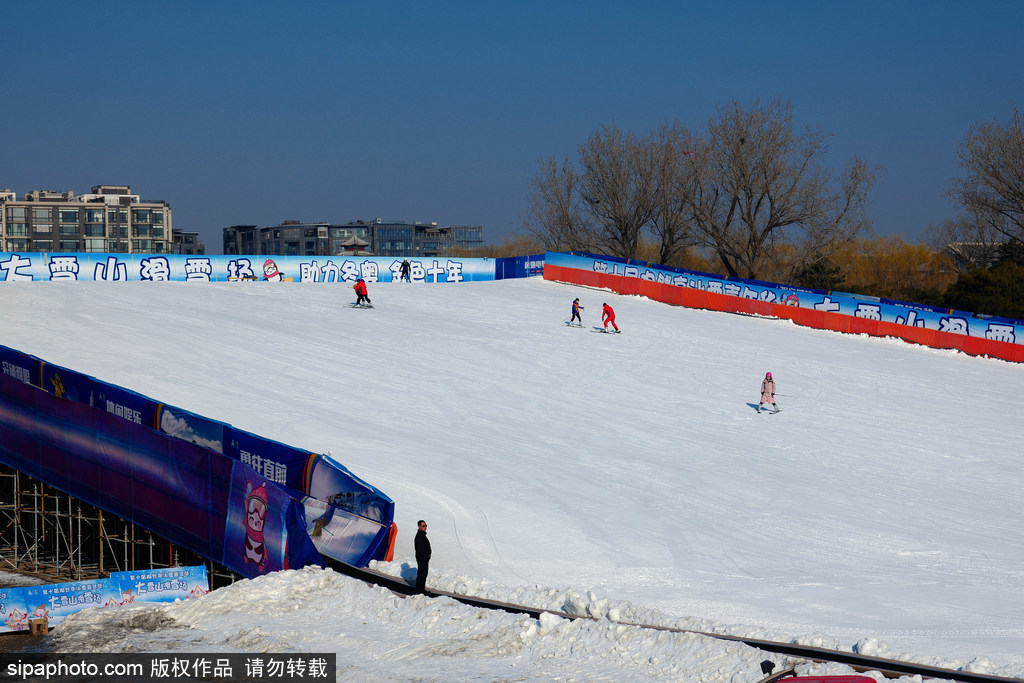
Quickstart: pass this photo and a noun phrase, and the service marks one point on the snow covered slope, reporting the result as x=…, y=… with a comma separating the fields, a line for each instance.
x=881, y=510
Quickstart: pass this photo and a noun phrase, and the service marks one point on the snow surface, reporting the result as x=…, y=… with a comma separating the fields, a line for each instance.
x=625, y=476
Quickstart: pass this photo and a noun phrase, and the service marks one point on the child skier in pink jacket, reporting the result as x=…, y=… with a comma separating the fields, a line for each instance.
x=768, y=393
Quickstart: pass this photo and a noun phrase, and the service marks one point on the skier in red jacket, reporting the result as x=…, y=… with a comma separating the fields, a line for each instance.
x=608, y=316
x=361, y=296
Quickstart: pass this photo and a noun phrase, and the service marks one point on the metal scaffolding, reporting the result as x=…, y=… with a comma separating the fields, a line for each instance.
x=55, y=537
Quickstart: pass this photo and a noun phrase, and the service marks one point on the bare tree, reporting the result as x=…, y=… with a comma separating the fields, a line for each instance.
x=992, y=192
x=618, y=184
x=670, y=220
x=755, y=183
x=554, y=215
x=970, y=242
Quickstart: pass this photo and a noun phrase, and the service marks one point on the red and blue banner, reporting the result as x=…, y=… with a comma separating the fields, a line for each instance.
x=927, y=325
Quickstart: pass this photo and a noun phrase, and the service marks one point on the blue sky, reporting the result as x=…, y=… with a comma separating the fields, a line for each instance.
x=258, y=112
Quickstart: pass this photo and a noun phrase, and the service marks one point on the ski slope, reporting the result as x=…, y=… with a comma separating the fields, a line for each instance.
x=628, y=475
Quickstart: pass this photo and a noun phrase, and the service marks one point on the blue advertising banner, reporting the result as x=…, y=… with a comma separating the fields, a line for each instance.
x=341, y=535
x=56, y=601
x=277, y=462
x=256, y=534
x=13, y=610
x=75, y=386
x=67, y=384
x=189, y=427
x=20, y=366
x=333, y=484
x=126, y=404
x=873, y=308
x=519, y=266
x=44, y=266
x=165, y=584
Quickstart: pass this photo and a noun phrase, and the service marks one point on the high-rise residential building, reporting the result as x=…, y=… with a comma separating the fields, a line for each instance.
x=109, y=219
x=371, y=238
x=186, y=242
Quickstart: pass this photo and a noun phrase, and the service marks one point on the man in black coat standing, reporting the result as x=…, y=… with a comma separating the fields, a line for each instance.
x=422, y=557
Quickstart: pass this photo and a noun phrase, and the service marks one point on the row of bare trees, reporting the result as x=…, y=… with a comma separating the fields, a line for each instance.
x=746, y=188
x=991, y=189
x=752, y=193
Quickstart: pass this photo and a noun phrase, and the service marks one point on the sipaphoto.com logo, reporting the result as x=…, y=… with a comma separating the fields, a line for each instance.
x=138, y=667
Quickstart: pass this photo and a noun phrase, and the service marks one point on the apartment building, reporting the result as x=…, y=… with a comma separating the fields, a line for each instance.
x=370, y=238
x=108, y=219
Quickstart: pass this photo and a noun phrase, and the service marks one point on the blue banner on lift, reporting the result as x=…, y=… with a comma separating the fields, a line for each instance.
x=20, y=366
x=184, y=488
x=277, y=462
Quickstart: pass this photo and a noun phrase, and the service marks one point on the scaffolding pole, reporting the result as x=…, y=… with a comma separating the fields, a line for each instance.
x=56, y=537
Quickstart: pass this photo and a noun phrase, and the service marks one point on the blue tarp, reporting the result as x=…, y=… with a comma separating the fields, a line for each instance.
x=231, y=496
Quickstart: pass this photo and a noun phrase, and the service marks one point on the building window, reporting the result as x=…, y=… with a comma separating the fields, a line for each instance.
x=42, y=228
x=43, y=245
x=17, y=245
x=69, y=215
x=156, y=232
x=17, y=229
x=69, y=245
x=69, y=229
x=41, y=215
x=94, y=215
x=95, y=230
x=96, y=245
x=17, y=213
x=153, y=216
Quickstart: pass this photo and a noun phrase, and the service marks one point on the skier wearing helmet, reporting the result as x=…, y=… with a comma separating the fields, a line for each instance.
x=768, y=393
x=361, y=298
